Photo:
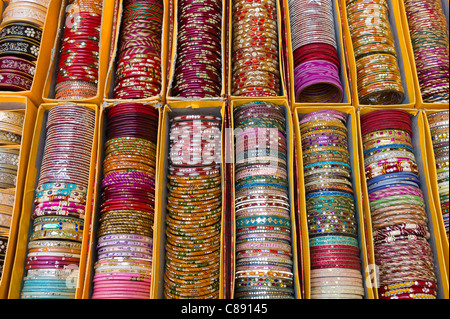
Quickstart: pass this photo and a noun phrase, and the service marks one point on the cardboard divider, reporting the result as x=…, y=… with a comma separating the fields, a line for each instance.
x=45, y=52
x=419, y=146
x=48, y=92
x=169, y=98
x=216, y=108
x=283, y=87
x=25, y=106
x=356, y=176
x=231, y=159
x=406, y=33
x=96, y=202
x=32, y=178
x=343, y=75
x=432, y=183
x=402, y=58
x=108, y=94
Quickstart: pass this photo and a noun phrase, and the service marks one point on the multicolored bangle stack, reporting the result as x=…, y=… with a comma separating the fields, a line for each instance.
x=77, y=71
x=316, y=60
x=330, y=207
x=138, y=70
x=125, y=231
x=255, y=59
x=429, y=38
x=54, y=246
x=399, y=219
x=198, y=67
x=20, y=40
x=194, y=208
x=438, y=123
x=7, y=197
x=264, y=256
x=11, y=125
x=378, y=74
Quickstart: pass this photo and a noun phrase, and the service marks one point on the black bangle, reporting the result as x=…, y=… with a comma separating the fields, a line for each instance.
x=21, y=29
x=20, y=47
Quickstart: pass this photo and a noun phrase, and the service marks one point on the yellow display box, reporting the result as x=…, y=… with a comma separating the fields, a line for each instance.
x=231, y=159
x=108, y=95
x=92, y=250
x=433, y=183
x=216, y=108
x=406, y=33
x=356, y=182
x=33, y=171
x=283, y=88
x=343, y=74
x=48, y=92
x=395, y=21
x=45, y=52
x=23, y=105
x=172, y=50
x=420, y=153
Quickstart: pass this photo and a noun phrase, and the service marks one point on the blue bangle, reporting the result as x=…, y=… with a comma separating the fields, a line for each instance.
x=395, y=177
x=376, y=148
x=378, y=187
x=261, y=185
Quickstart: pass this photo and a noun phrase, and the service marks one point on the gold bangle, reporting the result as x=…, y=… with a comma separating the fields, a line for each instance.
x=43, y=3
x=21, y=11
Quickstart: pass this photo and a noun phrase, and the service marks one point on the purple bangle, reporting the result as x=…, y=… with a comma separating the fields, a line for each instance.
x=311, y=77
x=396, y=191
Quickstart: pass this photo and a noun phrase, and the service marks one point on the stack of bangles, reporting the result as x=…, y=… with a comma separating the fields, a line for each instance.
x=438, y=123
x=198, y=67
x=54, y=246
x=7, y=197
x=378, y=74
x=11, y=125
x=263, y=251
x=138, y=69
x=20, y=40
x=255, y=57
x=194, y=208
x=330, y=207
x=77, y=70
x=316, y=60
x=428, y=28
x=125, y=231
x=397, y=207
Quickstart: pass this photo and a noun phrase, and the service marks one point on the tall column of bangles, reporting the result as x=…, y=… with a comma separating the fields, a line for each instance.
x=397, y=207
x=20, y=39
x=54, y=246
x=194, y=208
x=11, y=125
x=438, y=123
x=316, y=60
x=264, y=257
x=125, y=231
x=77, y=71
x=378, y=73
x=198, y=67
x=255, y=52
x=429, y=39
x=330, y=204
x=138, y=69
